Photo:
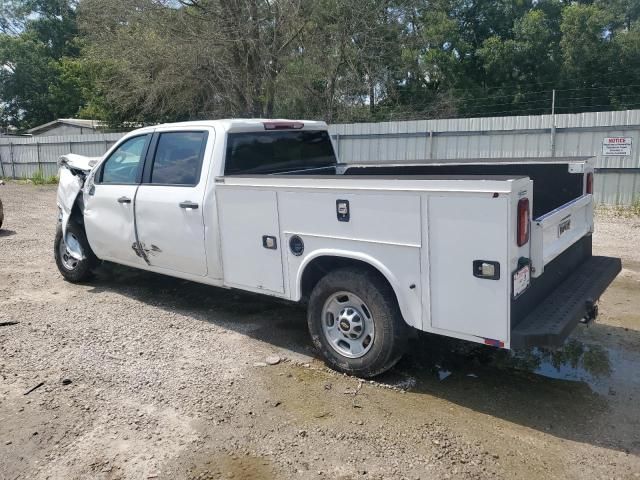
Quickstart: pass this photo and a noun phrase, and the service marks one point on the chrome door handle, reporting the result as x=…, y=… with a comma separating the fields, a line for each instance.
x=188, y=204
x=124, y=200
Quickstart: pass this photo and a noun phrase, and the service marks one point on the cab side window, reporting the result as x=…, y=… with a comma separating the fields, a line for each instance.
x=178, y=158
x=124, y=165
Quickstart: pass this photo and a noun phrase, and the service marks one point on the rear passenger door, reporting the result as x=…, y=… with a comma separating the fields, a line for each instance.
x=169, y=203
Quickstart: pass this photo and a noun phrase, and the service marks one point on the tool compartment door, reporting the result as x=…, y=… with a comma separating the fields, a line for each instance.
x=247, y=216
x=462, y=230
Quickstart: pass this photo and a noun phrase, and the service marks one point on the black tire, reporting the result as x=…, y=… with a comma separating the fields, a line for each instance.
x=391, y=331
x=1, y=214
x=84, y=268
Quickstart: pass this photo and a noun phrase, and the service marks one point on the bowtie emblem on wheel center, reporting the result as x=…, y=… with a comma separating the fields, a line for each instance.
x=347, y=324
x=350, y=322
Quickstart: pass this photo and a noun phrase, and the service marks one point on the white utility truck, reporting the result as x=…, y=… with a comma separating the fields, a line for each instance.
x=495, y=253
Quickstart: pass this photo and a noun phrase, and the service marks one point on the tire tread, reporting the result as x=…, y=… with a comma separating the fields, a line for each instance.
x=379, y=295
x=84, y=270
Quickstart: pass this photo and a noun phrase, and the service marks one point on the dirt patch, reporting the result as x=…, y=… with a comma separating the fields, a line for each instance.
x=166, y=379
x=214, y=466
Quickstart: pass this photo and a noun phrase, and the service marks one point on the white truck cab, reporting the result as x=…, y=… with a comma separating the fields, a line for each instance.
x=495, y=253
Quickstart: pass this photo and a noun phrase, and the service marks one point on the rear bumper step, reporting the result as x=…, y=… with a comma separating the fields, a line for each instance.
x=558, y=314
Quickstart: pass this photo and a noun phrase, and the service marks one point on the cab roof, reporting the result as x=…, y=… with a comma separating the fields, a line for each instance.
x=244, y=125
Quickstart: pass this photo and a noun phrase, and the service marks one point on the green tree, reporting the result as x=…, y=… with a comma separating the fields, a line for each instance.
x=341, y=60
x=526, y=62
x=38, y=36
x=625, y=13
x=588, y=53
x=206, y=58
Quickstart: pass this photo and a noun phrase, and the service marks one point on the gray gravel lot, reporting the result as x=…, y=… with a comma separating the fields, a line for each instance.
x=145, y=376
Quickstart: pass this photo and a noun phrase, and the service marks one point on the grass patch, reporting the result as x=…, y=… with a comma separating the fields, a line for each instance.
x=624, y=211
x=39, y=178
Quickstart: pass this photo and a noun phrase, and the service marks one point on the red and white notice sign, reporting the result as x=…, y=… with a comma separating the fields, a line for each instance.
x=616, y=146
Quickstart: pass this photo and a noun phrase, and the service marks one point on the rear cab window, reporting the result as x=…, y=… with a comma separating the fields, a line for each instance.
x=278, y=152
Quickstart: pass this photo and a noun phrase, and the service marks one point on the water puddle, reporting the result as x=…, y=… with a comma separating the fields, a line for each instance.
x=575, y=361
x=443, y=361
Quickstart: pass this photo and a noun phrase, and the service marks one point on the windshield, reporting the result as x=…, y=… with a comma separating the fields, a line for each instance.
x=277, y=152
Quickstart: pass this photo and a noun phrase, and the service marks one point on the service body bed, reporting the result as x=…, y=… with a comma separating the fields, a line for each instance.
x=424, y=233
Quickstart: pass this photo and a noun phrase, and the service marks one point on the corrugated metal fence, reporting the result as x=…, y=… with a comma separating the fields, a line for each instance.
x=22, y=157
x=424, y=141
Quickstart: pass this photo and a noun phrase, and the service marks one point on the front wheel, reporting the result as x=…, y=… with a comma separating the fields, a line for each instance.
x=355, y=322
x=72, y=268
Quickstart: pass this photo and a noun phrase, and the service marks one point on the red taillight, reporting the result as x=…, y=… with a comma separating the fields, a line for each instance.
x=523, y=221
x=589, y=186
x=283, y=125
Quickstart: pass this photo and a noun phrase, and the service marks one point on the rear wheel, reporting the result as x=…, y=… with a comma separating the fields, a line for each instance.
x=71, y=267
x=355, y=322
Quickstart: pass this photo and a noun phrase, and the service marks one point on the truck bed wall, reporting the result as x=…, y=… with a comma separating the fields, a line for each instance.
x=553, y=185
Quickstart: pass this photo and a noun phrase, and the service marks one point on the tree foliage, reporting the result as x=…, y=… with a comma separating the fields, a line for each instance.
x=338, y=60
x=37, y=45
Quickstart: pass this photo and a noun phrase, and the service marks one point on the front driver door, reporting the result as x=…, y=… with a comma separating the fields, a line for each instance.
x=109, y=207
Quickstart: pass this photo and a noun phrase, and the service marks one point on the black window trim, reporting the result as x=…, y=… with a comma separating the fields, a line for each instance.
x=151, y=158
x=143, y=158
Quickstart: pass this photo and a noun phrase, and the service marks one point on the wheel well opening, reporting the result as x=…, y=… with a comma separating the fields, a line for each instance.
x=77, y=211
x=320, y=266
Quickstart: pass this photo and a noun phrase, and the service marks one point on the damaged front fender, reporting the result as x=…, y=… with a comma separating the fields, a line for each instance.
x=69, y=187
x=74, y=170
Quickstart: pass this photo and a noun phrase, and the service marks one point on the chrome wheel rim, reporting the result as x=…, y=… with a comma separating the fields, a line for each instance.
x=347, y=324
x=66, y=257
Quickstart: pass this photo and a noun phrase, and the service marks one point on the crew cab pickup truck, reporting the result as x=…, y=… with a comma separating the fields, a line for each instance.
x=497, y=253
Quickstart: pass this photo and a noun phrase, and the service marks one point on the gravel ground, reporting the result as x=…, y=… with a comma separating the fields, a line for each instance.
x=142, y=376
